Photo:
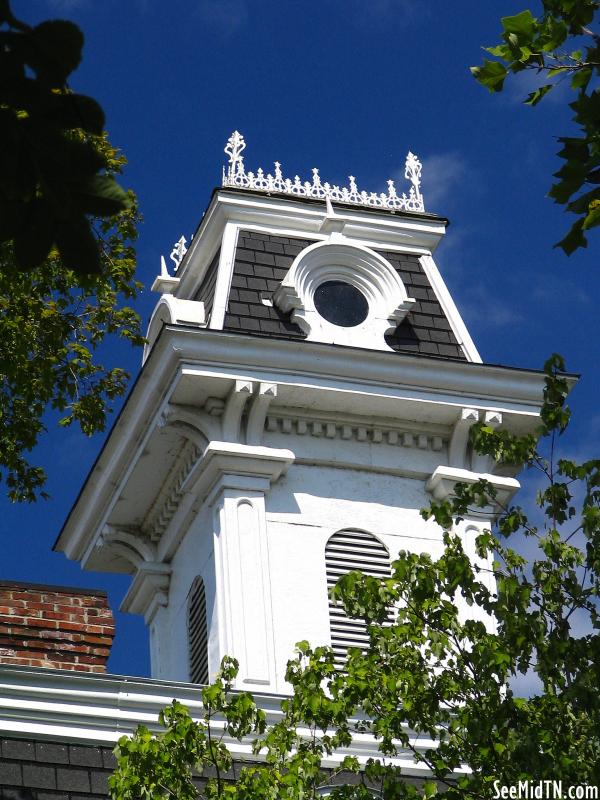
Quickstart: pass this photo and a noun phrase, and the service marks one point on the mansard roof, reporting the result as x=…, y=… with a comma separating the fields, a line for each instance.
x=263, y=259
x=249, y=241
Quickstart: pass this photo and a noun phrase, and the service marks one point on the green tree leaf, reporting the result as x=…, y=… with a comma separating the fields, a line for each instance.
x=47, y=152
x=101, y=196
x=534, y=97
x=55, y=50
x=35, y=235
x=51, y=324
x=522, y=25
x=537, y=43
x=491, y=75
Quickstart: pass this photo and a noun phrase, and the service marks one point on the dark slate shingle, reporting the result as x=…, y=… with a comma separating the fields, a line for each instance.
x=418, y=332
x=17, y=749
x=53, y=753
x=73, y=780
x=57, y=781
x=52, y=770
x=39, y=776
x=10, y=773
x=259, y=268
x=84, y=756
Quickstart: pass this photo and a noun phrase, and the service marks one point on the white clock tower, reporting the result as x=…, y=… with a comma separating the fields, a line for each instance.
x=307, y=387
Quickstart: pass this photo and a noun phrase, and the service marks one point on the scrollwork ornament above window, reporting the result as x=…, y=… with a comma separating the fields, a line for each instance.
x=326, y=263
x=236, y=175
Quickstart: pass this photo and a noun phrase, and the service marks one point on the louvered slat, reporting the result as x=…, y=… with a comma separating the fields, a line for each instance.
x=198, y=633
x=347, y=551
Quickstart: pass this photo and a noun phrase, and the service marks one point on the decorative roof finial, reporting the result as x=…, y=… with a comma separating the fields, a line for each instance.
x=236, y=175
x=178, y=252
x=412, y=173
x=233, y=148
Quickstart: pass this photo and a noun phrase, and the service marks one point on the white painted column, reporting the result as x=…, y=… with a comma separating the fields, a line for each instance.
x=234, y=479
x=244, y=586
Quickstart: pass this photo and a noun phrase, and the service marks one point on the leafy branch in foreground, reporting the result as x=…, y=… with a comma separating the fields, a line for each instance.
x=51, y=179
x=543, y=45
x=52, y=322
x=447, y=635
x=192, y=757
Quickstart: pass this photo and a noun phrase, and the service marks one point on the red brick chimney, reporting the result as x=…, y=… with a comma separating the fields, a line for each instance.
x=55, y=626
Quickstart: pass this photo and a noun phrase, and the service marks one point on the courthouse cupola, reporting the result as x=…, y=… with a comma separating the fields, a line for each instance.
x=308, y=385
x=317, y=262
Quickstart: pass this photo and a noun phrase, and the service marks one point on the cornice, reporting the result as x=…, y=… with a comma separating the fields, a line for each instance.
x=355, y=367
x=442, y=484
x=223, y=464
x=330, y=428
x=418, y=233
x=62, y=706
x=349, y=380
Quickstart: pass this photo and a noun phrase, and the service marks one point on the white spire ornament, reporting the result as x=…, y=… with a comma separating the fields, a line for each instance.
x=165, y=283
x=178, y=252
x=235, y=175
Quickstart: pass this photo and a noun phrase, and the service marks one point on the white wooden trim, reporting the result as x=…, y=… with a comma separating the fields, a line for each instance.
x=289, y=217
x=224, y=275
x=449, y=308
x=62, y=706
x=378, y=385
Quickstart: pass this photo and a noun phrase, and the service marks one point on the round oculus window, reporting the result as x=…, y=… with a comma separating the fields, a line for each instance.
x=341, y=303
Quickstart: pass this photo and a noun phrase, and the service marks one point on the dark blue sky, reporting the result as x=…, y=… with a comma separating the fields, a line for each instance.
x=348, y=86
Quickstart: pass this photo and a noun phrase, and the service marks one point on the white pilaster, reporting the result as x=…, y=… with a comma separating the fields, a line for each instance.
x=243, y=586
x=234, y=479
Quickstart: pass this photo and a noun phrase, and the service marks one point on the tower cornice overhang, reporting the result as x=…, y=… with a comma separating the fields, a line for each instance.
x=313, y=375
x=62, y=706
x=377, y=228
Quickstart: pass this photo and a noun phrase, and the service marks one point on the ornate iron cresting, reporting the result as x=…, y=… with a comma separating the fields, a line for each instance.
x=235, y=175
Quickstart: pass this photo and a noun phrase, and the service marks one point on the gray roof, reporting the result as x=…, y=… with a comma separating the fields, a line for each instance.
x=261, y=263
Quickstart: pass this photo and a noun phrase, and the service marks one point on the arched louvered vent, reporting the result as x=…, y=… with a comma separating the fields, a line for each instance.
x=344, y=552
x=198, y=633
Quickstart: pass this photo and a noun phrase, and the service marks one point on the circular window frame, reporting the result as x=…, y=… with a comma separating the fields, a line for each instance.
x=329, y=304
x=362, y=268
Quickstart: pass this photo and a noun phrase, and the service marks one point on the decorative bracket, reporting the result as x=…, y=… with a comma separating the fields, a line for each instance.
x=197, y=425
x=149, y=589
x=267, y=392
x=442, y=485
x=457, y=455
x=232, y=417
x=485, y=463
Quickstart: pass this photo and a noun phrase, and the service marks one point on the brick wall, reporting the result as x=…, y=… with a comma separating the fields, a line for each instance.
x=54, y=626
